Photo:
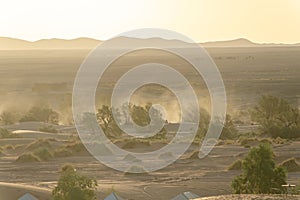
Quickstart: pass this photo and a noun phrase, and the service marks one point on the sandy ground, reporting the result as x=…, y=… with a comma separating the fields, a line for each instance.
x=205, y=177
x=247, y=72
x=253, y=197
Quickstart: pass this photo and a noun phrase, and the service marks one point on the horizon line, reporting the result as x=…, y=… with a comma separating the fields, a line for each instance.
x=204, y=42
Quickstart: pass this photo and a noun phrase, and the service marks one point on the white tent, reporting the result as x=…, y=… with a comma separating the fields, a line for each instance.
x=186, y=196
x=27, y=197
x=113, y=196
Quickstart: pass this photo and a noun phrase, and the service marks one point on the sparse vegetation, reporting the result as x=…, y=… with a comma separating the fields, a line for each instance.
x=75, y=147
x=237, y=165
x=138, y=114
x=74, y=186
x=1, y=151
x=27, y=157
x=9, y=147
x=277, y=117
x=45, y=143
x=62, y=152
x=9, y=117
x=252, y=141
x=260, y=175
x=4, y=133
x=291, y=165
x=41, y=114
x=134, y=142
x=48, y=129
x=43, y=154
x=203, y=124
x=229, y=130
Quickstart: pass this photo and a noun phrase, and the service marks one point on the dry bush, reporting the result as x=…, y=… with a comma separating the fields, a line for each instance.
x=291, y=165
x=48, y=129
x=44, y=142
x=75, y=147
x=62, y=152
x=4, y=133
x=43, y=153
x=237, y=165
x=28, y=157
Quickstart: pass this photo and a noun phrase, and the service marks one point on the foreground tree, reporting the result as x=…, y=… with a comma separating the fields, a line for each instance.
x=260, y=175
x=73, y=186
x=277, y=117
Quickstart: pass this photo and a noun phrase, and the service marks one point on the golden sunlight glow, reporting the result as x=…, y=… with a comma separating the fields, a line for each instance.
x=202, y=20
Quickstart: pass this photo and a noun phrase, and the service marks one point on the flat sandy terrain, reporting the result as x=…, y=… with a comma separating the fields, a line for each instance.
x=248, y=73
x=206, y=177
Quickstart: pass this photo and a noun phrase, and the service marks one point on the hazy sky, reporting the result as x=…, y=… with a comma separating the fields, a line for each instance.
x=202, y=20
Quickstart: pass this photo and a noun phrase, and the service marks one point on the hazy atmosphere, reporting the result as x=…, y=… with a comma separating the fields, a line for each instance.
x=152, y=100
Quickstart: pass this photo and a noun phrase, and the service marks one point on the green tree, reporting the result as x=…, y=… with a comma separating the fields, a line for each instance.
x=260, y=175
x=105, y=116
x=138, y=114
x=73, y=186
x=106, y=119
x=277, y=117
x=203, y=123
x=41, y=114
x=229, y=130
x=141, y=116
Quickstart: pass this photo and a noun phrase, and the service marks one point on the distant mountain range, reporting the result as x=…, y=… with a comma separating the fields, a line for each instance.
x=7, y=43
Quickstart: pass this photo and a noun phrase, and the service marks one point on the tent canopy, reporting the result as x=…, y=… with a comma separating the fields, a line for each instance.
x=113, y=196
x=186, y=196
x=27, y=197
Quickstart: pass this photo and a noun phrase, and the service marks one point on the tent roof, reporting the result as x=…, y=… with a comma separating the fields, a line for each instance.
x=113, y=196
x=186, y=196
x=27, y=197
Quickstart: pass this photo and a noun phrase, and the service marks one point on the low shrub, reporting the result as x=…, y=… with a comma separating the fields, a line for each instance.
x=76, y=147
x=9, y=147
x=237, y=165
x=246, y=140
x=279, y=140
x=43, y=154
x=48, y=129
x=4, y=133
x=62, y=152
x=39, y=143
x=291, y=165
x=28, y=157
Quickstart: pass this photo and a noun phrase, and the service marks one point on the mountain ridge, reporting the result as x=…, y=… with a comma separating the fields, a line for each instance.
x=8, y=43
